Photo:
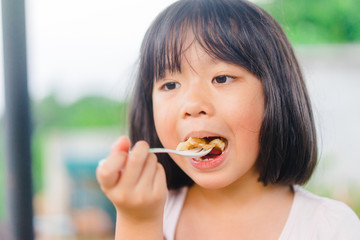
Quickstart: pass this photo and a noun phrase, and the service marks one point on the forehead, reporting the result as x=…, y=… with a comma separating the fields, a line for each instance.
x=194, y=52
x=189, y=51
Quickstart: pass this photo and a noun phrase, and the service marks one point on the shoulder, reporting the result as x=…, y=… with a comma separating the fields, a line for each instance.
x=324, y=218
x=174, y=203
x=326, y=207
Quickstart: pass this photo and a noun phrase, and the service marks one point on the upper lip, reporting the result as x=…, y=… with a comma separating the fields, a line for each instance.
x=202, y=134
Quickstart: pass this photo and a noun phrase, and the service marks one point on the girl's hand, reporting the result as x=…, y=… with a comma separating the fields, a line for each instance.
x=135, y=183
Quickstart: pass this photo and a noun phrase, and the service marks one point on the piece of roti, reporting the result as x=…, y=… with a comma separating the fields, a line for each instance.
x=193, y=142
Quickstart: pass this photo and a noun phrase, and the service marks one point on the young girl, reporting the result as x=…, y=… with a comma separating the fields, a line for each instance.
x=220, y=69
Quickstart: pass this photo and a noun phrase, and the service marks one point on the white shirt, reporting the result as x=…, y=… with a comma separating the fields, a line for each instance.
x=311, y=217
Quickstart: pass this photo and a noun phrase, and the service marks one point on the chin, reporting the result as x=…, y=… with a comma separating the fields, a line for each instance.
x=212, y=182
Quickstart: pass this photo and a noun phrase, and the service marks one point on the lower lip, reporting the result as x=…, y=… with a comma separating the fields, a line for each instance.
x=210, y=164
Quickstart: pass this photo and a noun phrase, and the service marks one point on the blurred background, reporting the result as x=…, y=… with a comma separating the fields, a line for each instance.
x=82, y=56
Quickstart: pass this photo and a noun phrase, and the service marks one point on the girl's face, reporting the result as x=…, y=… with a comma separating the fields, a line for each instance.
x=211, y=98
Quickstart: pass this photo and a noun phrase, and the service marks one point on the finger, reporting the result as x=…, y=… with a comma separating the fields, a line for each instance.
x=135, y=164
x=160, y=186
x=109, y=170
x=115, y=162
x=121, y=145
x=148, y=174
x=108, y=173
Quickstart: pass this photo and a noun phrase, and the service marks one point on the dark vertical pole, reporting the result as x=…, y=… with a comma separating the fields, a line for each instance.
x=17, y=121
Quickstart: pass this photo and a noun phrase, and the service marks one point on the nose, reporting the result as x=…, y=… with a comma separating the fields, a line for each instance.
x=196, y=103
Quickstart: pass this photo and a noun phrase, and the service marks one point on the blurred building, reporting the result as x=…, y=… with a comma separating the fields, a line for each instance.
x=71, y=202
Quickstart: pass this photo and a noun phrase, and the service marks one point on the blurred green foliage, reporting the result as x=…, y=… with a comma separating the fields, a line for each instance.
x=86, y=112
x=317, y=21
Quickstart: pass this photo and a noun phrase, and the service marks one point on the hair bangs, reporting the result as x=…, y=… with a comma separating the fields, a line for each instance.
x=204, y=24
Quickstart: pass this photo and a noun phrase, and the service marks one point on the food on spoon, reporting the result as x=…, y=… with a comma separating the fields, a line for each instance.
x=205, y=143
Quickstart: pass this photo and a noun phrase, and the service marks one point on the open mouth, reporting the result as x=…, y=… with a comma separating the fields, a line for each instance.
x=217, y=144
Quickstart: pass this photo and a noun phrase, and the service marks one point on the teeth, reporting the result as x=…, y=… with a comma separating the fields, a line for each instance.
x=203, y=160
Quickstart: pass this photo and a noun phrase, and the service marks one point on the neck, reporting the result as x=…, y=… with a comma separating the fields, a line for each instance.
x=243, y=193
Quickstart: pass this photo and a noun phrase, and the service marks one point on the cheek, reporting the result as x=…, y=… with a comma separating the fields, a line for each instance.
x=247, y=131
x=246, y=123
x=164, y=123
x=247, y=116
x=159, y=116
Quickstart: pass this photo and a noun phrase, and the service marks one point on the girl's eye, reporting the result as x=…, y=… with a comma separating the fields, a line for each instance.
x=223, y=79
x=170, y=86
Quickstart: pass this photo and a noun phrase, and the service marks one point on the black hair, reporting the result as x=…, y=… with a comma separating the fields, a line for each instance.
x=241, y=33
